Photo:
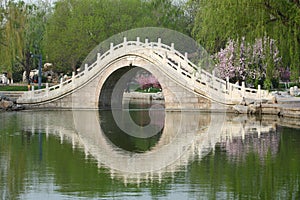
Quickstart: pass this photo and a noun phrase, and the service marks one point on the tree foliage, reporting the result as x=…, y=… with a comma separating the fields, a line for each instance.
x=23, y=30
x=77, y=26
x=217, y=21
x=66, y=31
x=241, y=61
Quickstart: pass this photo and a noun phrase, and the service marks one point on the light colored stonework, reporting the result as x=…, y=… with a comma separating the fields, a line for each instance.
x=184, y=85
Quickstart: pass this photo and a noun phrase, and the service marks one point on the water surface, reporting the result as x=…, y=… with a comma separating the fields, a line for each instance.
x=84, y=155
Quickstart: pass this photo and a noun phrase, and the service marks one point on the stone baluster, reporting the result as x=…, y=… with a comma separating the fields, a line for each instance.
x=138, y=41
x=165, y=58
x=179, y=66
x=193, y=79
x=198, y=74
x=111, y=47
x=146, y=41
x=227, y=83
x=243, y=89
x=61, y=82
x=98, y=56
x=230, y=89
x=47, y=89
x=73, y=77
x=159, y=42
x=296, y=90
x=185, y=56
x=86, y=67
x=259, y=92
x=125, y=41
x=213, y=78
x=125, y=180
x=32, y=91
x=172, y=47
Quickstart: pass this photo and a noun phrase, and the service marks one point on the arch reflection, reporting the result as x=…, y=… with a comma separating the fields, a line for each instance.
x=186, y=136
x=126, y=141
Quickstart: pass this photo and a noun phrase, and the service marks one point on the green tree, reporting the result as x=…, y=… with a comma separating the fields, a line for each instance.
x=1, y=33
x=217, y=21
x=77, y=26
x=1, y=21
x=23, y=28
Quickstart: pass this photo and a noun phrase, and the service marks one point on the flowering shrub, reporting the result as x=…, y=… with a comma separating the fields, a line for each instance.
x=285, y=74
x=254, y=64
x=147, y=81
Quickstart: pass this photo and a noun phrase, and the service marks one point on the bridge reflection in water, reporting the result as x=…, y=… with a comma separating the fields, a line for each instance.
x=184, y=137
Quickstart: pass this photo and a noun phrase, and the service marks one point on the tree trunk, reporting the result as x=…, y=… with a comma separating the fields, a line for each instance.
x=26, y=65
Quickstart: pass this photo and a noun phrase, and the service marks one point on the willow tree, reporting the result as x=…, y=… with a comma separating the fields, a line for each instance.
x=22, y=35
x=1, y=34
x=218, y=21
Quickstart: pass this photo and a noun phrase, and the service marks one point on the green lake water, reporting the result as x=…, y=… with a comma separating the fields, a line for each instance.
x=191, y=155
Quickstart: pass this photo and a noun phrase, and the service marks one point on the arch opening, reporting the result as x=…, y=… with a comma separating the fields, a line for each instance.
x=131, y=108
x=133, y=86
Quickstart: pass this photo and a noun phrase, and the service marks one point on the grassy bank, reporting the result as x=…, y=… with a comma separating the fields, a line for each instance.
x=15, y=88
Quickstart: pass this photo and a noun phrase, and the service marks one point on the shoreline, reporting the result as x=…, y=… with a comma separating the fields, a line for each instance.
x=284, y=106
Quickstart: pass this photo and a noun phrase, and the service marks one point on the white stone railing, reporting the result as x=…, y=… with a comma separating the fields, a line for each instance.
x=181, y=66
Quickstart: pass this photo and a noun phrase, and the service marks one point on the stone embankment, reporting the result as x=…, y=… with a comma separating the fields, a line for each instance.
x=8, y=101
x=282, y=105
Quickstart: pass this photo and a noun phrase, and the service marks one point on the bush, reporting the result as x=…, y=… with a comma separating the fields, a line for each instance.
x=15, y=88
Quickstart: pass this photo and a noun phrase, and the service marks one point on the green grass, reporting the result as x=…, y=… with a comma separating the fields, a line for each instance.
x=15, y=88
x=148, y=90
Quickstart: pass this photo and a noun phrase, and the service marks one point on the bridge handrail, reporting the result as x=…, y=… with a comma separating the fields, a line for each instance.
x=219, y=85
x=188, y=69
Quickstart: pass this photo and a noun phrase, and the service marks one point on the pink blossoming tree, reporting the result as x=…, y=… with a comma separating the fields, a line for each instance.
x=255, y=64
x=146, y=81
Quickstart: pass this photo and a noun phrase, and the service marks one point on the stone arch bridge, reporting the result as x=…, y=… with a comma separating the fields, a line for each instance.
x=184, y=85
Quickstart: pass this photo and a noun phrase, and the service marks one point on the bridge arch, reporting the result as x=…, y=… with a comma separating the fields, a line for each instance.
x=185, y=85
x=124, y=69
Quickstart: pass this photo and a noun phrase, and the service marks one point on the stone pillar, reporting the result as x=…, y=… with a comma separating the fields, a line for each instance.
x=159, y=42
x=230, y=90
x=86, y=68
x=47, y=89
x=296, y=91
x=186, y=56
x=111, y=47
x=292, y=91
x=243, y=89
x=73, y=77
x=213, y=78
x=138, y=40
x=61, y=81
x=227, y=83
x=32, y=91
x=165, y=57
x=198, y=75
x=259, y=92
x=172, y=47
